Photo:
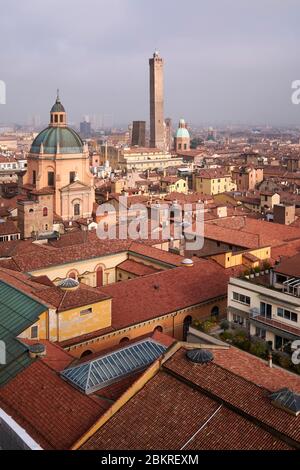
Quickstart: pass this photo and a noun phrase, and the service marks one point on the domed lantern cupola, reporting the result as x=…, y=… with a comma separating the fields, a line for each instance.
x=58, y=115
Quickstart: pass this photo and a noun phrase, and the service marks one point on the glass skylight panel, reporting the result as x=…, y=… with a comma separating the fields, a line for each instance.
x=103, y=371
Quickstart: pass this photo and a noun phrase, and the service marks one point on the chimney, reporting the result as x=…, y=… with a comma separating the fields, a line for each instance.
x=37, y=350
x=270, y=359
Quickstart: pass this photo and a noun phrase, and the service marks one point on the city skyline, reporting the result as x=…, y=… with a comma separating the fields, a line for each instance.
x=223, y=65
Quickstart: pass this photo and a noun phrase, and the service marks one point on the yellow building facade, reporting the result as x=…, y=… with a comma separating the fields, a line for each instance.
x=211, y=184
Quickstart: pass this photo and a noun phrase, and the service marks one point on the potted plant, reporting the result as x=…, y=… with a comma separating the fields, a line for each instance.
x=257, y=271
x=247, y=274
x=266, y=266
x=252, y=274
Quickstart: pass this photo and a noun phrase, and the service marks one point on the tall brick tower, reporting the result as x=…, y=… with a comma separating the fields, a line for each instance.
x=157, y=139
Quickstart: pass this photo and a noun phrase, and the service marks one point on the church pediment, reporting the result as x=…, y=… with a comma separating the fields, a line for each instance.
x=75, y=186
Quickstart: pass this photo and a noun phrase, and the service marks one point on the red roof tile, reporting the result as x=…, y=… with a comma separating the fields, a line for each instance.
x=166, y=414
x=53, y=412
x=138, y=269
x=165, y=292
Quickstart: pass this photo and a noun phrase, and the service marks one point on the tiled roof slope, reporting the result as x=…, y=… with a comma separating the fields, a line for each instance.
x=65, y=300
x=290, y=266
x=151, y=296
x=53, y=412
x=138, y=269
x=236, y=391
x=167, y=412
x=266, y=233
x=221, y=405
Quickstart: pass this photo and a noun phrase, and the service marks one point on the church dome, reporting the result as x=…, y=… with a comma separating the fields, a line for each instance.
x=57, y=140
x=57, y=137
x=182, y=132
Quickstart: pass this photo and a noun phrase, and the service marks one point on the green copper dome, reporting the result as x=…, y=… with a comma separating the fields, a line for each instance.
x=65, y=138
x=182, y=132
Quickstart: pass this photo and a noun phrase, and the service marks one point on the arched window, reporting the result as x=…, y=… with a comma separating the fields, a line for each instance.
x=77, y=209
x=158, y=328
x=124, y=340
x=45, y=212
x=99, y=276
x=88, y=352
x=215, y=311
x=186, y=324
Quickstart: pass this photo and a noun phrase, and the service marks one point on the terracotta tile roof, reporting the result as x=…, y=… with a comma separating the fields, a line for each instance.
x=213, y=173
x=166, y=413
x=230, y=236
x=56, y=357
x=285, y=250
x=65, y=300
x=138, y=269
x=248, y=397
x=188, y=198
x=53, y=412
x=255, y=370
x=46, y=190
x=171, y=179
x=266, y=233
x=21, y=281
x=12, y=248
x=4, y=212
x=157, y=294
x=290, y=266
x=114, y=391
x=8, y=228
x=48, y=255
x=155, y=253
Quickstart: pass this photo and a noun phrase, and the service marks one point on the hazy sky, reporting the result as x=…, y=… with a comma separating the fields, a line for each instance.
x=225, y=60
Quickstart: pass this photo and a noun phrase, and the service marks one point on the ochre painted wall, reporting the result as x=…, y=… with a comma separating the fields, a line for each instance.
x=172, y=325
x=71, y=323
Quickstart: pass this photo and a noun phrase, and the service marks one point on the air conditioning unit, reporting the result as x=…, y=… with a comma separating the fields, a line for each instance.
x=254, y=312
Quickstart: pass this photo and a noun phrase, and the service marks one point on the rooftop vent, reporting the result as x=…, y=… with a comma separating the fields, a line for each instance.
x=37, y=350
x=187, y=262
x=286, y=399
x=200, y=356
x=68, y=284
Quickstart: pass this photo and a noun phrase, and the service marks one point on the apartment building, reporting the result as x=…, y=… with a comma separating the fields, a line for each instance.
x=268, y=305
x=213, y=181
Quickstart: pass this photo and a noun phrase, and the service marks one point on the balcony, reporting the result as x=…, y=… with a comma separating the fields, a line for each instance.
x=254, y=317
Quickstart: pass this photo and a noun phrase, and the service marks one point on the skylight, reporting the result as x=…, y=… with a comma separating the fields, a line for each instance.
x=94, y=375
x=287, y=400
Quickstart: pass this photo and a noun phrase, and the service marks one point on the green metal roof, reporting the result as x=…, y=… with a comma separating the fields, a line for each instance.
x=57, y=107
x=67, y=139
x=17, y=312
